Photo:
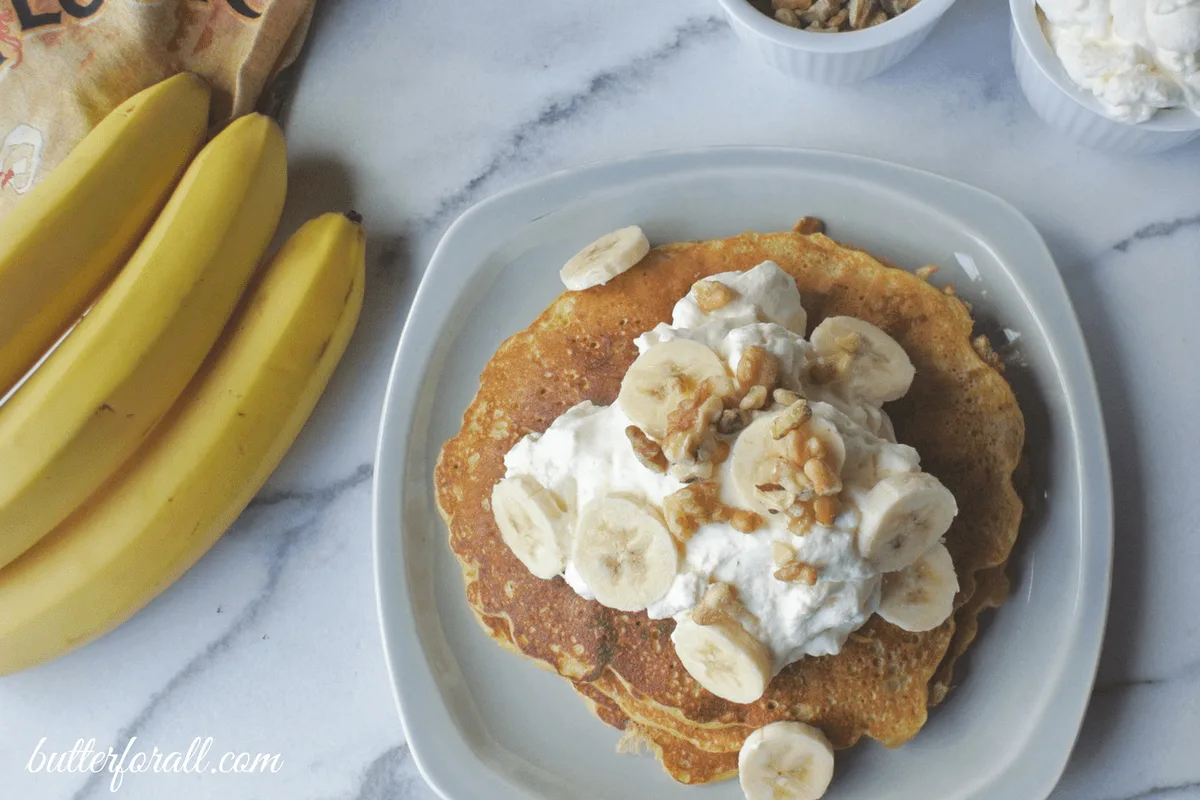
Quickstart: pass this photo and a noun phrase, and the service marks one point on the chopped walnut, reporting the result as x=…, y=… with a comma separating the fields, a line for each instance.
x=787, y=17
x=699, y=504
x=711, y=295
x=828, y=369
x=833, y=16
x=785, y=397
x=808, y=226
x=983, y=346
x=790, y=418
x=719, y=601
x=824, y=480
x=781, y=553
x=731, y=421
x=745, y=521
x=757, y=367
x=825, y=509
x=755, y=398
x=860, y=12
x=925, y=272
x=649, y=453
x=818, y=12
x=780, y=484
x=800, y=518
x=690, y=445
x=797, y=572
x=815, y=448
x=689, y=508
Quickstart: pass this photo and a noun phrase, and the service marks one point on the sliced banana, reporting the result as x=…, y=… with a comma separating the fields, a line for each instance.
x=921, y=596
x=605, y=258
x=724, y=658
x=624, y=553
x=903, y=516
x=785, y=761
x=660, y=377
x=534, y=522
x=878, y=369
x=755, y=446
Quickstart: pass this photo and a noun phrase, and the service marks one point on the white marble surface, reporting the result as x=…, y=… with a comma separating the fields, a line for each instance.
x=412, y=111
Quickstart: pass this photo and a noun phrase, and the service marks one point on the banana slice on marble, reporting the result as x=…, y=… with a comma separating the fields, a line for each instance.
x=605, y=258
x=534, y=522
x=902, y=517
x=920, y=597
x=624, y=552
x=785, y=761
x=876, y=368
x=724, y=658
x=660, y=377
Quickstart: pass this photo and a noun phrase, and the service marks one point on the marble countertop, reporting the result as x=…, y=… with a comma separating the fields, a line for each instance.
x=411, y=112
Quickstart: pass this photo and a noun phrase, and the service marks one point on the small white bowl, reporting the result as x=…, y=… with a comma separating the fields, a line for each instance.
x=1076, y=112
x=833, y=58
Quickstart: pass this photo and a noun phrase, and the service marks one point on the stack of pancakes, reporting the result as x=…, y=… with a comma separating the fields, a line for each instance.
x=960, y=414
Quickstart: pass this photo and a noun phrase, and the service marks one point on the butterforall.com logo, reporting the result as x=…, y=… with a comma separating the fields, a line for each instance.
x=83, y=757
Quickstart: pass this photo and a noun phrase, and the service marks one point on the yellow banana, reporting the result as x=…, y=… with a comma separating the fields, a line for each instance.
x=63, y=243
x=96, y=398
x=203, y=464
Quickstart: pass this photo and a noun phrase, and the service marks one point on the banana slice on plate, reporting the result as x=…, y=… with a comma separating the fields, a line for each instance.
x=624, y=552
x=660, y=377
x=755, y=447
x=605, y=258
x=534, y=522
x=724, y=658
x=785, y=761
x=921, y=596
x=877, y=368
x=902, y=517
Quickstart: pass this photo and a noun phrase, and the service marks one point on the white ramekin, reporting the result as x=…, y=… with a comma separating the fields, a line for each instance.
x=1075, y=111
x=833, y=57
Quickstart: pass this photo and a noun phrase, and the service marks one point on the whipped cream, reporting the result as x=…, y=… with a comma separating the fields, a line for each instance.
x=584, y=455
x=1135, y=56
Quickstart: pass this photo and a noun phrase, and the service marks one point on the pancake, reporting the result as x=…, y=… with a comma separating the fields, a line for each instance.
x=960, y=414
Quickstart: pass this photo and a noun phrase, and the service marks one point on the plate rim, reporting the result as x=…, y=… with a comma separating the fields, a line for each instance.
x=398, y=624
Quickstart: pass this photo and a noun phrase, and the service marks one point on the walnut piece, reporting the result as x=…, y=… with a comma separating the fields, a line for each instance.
x=755, y=398
x=824, y=480
x=790, y=418
x=711, y=295
x=781, y=553
x=834, y=16
x=798, y=572
x=745, y=521
x=757, y=367
x=785, y=397
x=825, y=509
x=808, y=226
x=925, y=272
x=649, y=453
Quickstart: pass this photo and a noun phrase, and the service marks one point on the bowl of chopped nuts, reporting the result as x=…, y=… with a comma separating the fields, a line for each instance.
x=833, y=41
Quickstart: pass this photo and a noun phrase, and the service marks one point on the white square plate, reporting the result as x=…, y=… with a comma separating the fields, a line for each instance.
x=484, y=724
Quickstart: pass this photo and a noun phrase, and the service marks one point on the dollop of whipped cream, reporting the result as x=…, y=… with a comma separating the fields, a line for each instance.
x=1135, y=56
x=585, y=455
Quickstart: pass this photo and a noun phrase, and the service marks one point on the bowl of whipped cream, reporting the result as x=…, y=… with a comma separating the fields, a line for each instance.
x=1115, y=75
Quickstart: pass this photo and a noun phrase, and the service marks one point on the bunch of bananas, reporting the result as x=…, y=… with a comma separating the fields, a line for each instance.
x=134, y=444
